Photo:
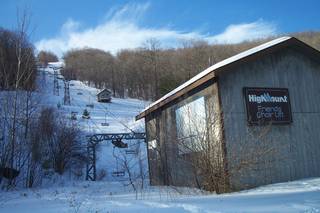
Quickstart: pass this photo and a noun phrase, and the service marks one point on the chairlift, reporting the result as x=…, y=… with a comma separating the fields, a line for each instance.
x=118, y=171
x=118, y=143
x=105, y=121
x=131, y=152
x=118, y=174
x=90, y=105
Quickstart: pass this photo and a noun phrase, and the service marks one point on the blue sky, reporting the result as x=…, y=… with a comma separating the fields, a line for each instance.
x=113, y=25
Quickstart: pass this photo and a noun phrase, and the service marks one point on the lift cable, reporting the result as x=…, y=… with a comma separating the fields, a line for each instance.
x=115, y=117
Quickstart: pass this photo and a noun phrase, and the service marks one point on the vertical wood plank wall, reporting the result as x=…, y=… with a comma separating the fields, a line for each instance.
x=168, y=167
x=298, y=154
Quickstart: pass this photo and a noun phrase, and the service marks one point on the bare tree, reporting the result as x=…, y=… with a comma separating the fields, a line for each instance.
x=188, y=139
x=201, y=148
x=152, y=49
x=135, y=166
x=151, y=71
x=44, y=57
x=18, y=73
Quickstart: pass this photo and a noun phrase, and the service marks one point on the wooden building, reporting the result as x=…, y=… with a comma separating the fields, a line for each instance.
x=104, y=95
x=249, y=120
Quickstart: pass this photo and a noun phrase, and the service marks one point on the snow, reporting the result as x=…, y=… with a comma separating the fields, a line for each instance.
x=219, y=65
x=103, y=196
x=111, y=194
x=119, y=115
x=56, y=64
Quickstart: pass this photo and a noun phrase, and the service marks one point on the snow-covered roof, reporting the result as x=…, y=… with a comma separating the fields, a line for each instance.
x=56, y=64
x=104, y=90
x=215, y=67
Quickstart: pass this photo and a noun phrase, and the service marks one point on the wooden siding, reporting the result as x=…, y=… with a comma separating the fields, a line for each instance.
x=104, y=95
x=168, y=167
x=298, y=153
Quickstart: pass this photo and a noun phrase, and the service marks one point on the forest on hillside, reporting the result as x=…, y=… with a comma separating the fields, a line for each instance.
x=151, y=71
x=35, y=141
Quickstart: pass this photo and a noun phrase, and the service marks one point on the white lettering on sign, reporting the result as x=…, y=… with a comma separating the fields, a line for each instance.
x=267, y=98
x=269, y=112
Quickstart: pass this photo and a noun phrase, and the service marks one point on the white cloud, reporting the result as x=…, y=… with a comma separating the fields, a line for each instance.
x=247, y=31
x=121, y=30
x=69, y=26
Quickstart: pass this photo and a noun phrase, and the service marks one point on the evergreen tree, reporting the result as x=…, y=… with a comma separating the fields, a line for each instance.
x=85, y=114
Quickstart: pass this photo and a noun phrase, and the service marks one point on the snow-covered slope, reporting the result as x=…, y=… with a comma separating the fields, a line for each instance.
x=118, y=115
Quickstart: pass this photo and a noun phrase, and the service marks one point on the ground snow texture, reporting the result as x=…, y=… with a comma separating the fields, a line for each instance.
x=105, y=196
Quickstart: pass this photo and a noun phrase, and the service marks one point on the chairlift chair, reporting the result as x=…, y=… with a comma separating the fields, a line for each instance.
x=90, y=105
x=118, y=143
x=131, y=152
x=105, y=121
x=118, y=173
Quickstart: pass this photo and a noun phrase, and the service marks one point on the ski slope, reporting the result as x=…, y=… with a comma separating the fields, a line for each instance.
x=119, y=115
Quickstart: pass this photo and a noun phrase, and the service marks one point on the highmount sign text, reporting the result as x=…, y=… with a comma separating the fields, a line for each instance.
x=266, y=97
x=267, y=105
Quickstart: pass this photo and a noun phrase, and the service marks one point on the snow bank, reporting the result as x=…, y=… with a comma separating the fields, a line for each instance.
x=297, y=196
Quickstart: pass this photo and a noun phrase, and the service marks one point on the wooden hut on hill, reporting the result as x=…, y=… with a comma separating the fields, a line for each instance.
x=104, y=95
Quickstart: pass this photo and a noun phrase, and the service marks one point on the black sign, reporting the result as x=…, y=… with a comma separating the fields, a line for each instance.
x=268, y=105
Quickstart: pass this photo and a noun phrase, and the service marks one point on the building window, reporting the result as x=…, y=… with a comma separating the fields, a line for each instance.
x=152, y=144
x=191, y=126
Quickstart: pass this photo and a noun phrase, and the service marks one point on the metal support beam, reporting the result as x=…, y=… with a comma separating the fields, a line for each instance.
x=94, y=140
x=55, y=83
x=66, y=98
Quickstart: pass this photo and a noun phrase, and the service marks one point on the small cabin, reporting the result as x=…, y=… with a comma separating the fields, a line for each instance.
x=104, y=95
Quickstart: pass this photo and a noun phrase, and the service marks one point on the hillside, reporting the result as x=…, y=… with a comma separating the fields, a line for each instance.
x=152, y=71
x=115, y=117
